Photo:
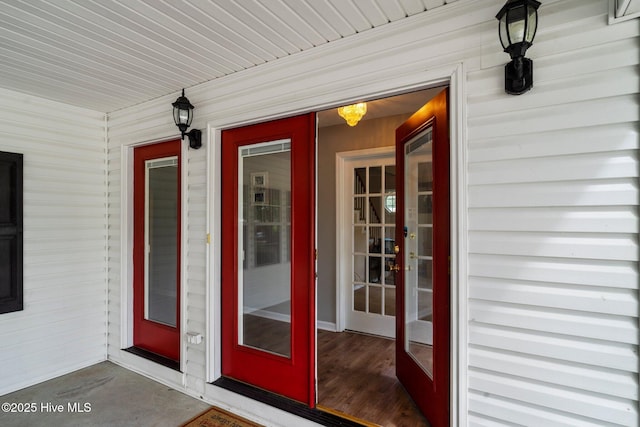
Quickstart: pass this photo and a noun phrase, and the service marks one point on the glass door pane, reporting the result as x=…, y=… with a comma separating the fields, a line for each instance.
x=264, y=241
x=418, y=278
x=161, y=231
x=373, y=205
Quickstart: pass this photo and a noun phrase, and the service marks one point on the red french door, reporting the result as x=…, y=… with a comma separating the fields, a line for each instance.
x=156, y=249
x=268, y=256
x=422, y=260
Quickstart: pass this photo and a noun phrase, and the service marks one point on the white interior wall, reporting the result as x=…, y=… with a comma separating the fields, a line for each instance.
x=549, y=331
x=62, y=327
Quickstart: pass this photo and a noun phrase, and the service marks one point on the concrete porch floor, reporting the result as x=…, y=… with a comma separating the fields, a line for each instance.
x=107, y=395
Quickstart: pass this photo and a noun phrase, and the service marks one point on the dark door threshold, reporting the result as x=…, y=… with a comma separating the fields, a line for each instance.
x=288, y=405
x=164, y=361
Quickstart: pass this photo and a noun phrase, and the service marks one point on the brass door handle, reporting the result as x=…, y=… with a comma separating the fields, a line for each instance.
x=394, y=267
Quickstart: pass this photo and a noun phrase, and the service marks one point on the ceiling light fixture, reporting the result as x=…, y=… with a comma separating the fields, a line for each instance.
x=353, y=113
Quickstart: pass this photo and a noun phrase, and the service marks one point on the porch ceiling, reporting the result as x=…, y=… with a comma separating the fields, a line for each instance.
x=109, y=54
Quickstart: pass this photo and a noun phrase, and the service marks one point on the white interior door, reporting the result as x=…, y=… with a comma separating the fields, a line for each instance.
x=368, y=226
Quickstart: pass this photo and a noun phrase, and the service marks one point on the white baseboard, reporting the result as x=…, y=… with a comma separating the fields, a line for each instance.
x=327, y=326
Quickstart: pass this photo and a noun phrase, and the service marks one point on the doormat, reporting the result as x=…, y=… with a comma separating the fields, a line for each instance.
x=216, y=417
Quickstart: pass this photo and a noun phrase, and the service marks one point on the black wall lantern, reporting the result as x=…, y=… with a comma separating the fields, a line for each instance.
x=518, y=25
x=182, y=116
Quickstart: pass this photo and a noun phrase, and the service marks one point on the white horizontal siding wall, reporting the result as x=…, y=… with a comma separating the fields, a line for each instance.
x=550, y=326
x=195, y=316
x=62, y=327
x=553, y=229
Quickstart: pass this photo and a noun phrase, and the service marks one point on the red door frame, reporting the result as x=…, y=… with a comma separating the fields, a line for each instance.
x=431, y=396
x=152, y=336
x=292, y=377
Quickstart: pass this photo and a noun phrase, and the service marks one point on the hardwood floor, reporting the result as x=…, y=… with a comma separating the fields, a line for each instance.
x=356, y=376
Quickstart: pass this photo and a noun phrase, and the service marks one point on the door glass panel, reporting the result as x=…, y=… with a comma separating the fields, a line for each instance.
x=375, y=299
x=161, y=234
x=418, y=251
x=360, y=298
x=425, y=274
x=389, y=198
x=359, y=212
x=390, y=301
x=360, y=181
x=360, y=239
x=375, y=179
x=390, y=179
x=375, y=240
x=425, y=208
x=425, y=177
x=373, y=233
x=375, y=210
x=264, y=283
x=375, y=266
x=389, y=274
x=425, y=239
x=359, y=269
x=390, y=208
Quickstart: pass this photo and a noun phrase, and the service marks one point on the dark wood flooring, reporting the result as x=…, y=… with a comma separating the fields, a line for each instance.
x=356, y=376
x=356, y=372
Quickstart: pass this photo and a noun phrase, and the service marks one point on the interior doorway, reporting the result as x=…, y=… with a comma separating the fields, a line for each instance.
x=356, y=360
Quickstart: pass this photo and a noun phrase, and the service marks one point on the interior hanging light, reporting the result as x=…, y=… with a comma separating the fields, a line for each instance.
x=353, y=113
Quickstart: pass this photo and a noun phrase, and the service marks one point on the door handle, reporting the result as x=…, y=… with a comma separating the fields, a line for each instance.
x=396, y=267
x=393, y=267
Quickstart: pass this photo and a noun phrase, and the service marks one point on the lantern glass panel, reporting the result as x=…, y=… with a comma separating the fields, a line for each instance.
x=532, y=24
x=176, y=115
x=504, y=36
x=517, y=22
x=182, y=116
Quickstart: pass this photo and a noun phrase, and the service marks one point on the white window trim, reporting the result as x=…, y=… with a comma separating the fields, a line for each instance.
x=618, y=11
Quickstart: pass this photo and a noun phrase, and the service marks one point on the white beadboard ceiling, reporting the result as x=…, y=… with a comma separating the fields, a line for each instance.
x=109, y=54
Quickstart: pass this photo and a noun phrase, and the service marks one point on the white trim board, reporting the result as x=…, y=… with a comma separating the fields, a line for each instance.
x=126, y=248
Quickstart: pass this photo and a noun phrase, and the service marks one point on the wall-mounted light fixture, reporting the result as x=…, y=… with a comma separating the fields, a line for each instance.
x=517, y=28
x=353, y=113
x=182, y=116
